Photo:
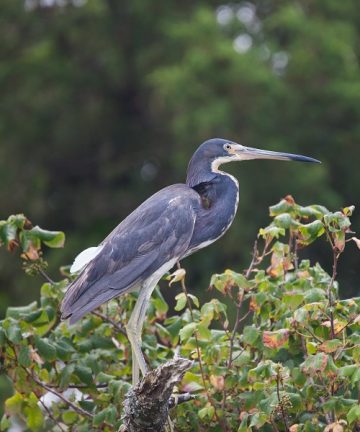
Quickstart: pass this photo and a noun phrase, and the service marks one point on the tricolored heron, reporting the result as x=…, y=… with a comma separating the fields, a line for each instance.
x=170, y=225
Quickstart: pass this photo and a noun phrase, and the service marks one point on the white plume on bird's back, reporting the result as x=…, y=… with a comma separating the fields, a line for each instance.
x=85, y=257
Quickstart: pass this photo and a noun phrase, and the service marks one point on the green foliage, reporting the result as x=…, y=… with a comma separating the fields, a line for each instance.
x=293, y=366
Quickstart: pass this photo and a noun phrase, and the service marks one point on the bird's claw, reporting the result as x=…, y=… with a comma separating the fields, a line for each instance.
x=179, y=398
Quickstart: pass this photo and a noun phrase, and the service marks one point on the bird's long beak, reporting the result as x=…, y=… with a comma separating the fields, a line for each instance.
x=247, y=153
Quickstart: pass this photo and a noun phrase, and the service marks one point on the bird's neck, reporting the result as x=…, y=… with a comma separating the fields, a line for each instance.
x=222, y=189
x=204, y=171
x=215, y=187
x=219, y=200
x=200, y=171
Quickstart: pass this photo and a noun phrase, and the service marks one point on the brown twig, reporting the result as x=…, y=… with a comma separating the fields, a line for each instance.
x=80, y=386
x=50, y=414
x=46, y=276
x=313, y=335
x=59, y=395
x=110, y=321
x=336, y=254
x=346, y=325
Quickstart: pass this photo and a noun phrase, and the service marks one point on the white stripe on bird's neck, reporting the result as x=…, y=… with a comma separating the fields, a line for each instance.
x=215, y=164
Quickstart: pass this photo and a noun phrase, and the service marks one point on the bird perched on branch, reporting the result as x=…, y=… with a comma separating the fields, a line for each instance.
x=170, y=225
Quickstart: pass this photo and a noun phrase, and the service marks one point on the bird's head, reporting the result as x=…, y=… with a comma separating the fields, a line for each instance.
x=215, y=152
x=221, y=151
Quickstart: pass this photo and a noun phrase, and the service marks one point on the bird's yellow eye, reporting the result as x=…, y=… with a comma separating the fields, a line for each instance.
x=227, y=147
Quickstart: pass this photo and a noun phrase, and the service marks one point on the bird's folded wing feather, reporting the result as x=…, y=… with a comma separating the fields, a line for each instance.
x=155, y=233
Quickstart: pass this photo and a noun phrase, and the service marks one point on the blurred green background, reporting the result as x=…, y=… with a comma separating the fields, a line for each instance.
x=102, y=103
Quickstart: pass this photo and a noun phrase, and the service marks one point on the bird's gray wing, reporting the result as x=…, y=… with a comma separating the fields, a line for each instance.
x=155, y=233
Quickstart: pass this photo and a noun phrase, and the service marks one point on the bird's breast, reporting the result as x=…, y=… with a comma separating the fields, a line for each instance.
x=213, y=220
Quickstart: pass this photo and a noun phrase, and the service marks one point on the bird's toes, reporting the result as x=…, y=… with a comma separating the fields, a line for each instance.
x=179, y=398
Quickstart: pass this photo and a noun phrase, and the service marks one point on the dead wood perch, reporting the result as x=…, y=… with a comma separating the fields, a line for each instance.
x=146, y=406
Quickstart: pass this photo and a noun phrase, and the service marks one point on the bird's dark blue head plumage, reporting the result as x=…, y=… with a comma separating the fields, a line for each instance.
x=204, y=164
x=203, y=161
x=213, y=148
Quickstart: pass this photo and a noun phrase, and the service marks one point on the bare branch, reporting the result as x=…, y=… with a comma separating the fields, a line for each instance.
x=146, y=406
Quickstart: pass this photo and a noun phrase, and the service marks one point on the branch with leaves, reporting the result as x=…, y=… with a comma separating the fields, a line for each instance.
x=274, y=348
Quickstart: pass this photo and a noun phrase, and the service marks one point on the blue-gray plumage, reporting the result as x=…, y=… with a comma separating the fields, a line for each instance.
x=173, y=223
x=152, y=235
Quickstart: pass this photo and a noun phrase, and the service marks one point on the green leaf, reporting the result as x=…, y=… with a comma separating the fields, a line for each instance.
x=191, y=382
x=85, y=374
x=283, y=221
x=251, y=335
x=237, y=279
x=14, y=403
x=258, y=420
x=348, y=370
x=180, y=301
x=243, y=425
x=356, y=377
x=293, y=300
x=46, y=350
x=34, y=417
x=315, y=295
x=69, y=417
x=8, y=232
x=14, y=333
x=20, y=312
x=52, y=239
x=194, y=299
x=315, y=363
x=187, y=331
x=312, y=211
x=241, y=358
x=99, y=418
x=65, y=375
x=311, y=231
x=5, y=423
x=2, y=337
x=330, y=346
x=105, y=378
x=24, y=356
x=282, y=207
x=203, y=331
x=271, y=232
x=354, y=414
x=159, y=302
x=208, y=412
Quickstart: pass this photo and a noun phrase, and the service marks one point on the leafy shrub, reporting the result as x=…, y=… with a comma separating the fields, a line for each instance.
x=293, y=366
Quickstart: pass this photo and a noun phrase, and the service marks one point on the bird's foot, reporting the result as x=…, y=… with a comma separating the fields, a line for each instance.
x=179, y=398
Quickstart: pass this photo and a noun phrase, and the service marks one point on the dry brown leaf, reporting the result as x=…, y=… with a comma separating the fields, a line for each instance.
x=217, y=381
x=253, y=306
x=275, y=339
x=35, y=357
x=338, y=326
x=289, y=199
x=32, y=253
x=334, y=427
x=177, y=276
x=12, y=245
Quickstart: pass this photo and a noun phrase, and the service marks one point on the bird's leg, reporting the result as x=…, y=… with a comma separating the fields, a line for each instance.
x=134, y=329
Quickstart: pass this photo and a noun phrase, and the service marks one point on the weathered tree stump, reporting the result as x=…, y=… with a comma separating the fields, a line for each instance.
x=146, y=406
